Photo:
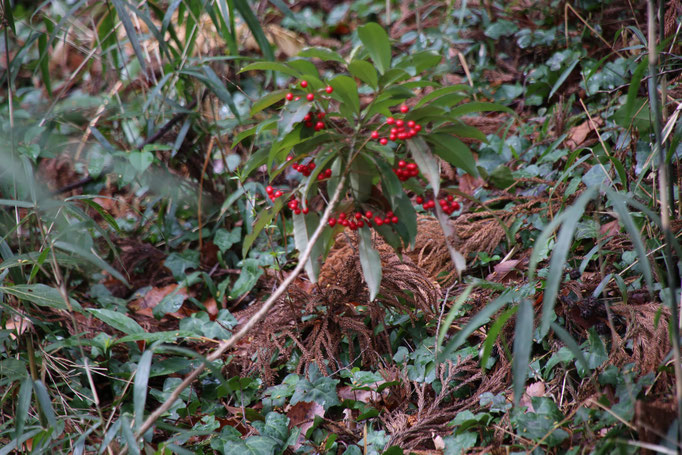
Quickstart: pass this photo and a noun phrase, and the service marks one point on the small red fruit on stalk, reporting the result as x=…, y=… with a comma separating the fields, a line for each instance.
x=304, y=84
x=399, y=123
x=321, y=115
x=329, y=89
x=305, y=210
x=368, y=214
x=402, y=164
x=455, y=205
x=375, y=135
x=417, y=128
x=394, y=219
x=390, y=120
x=269, y=189
x=342, y=216
x=327, y=172
x=358, y=215
x=319, y=126
x=419, y=200
x=404, y=109
x=289, y=96
x=410, y=124
x=383, y=141
x=310, y=96
x=278, y=193
x=332, y=222
x=378, y=221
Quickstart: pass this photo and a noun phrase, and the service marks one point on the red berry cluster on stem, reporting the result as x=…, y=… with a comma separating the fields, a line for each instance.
x=400, y=129
x=447, y=204
x=294, y=205
x=406, y=170
x=359, y=219
x=273, y=193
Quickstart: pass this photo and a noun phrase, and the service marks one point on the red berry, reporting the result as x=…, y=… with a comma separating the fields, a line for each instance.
x=309, y=124
x=311, y=165
x=329, y=89
x=394, y=130
x=269, y=189
x=417, y=128
x=304, y=84
x=455, y=205
x=389, y=214
x=402, y=136
x=310, y=96
x=297, y=211
x=412, y=166
x=321, y=115
x=305, y=211
x=410, y=123
x=383, y=141
x=387, y=220
x=404, y=109
x=442, y=202
x=375, y=135
x=278, y=193
x=289, y=96
x=332, y=222
x=327, y=172
x=319, y=126
x=343, y=222
x=450, y=198
x=308, y=117
x=272, y=198
x=399, y=123
x=342, y=216
x=368, y=214
x=390, y=120
x=394, y=219
x=419, y=199
x=297, y=98
x=378, y=221
x=352, y=225
x=360, y=223
x=402, y=164
x=358, y=215
x=320, y=176
x=392, y=137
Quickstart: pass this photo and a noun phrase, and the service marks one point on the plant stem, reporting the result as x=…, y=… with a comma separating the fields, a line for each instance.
x=663, y=174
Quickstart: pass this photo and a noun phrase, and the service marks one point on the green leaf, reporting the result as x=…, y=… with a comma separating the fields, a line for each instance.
x=44, y=62
x=523, y=342
x=23, y=404
x=370, y=262
x=346, y=91
x=140, y=386
x=45, y=403
x=365, y=72
x=318, y=389
x=312, y=266
x=267, y=101
x=375, y=40
x=453, y=151
x=564, y=75
x=225, y=239
x=479, y=106
x=290, y=116
x=502, y=177
x=254, y=25
x=458, y=444
x=120, y=7
x=40, y=294
x=264, y=219
x=482, y=317
x=272, y=66
x=117, y=320
x=248, y=277
x=401, y=204
x=491, y=335
x=169, y=304
x=452, y=313
x=457, y=88
x=322, y=53
x=90, y=257
x=559, y=254
x=426, y=162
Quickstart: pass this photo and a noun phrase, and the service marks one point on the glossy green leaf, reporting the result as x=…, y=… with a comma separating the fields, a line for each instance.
x=23, y=404
x=346, y=91
x=400, y=203
x=267, y=101
x=248, y=277
x=375, y=39
x=45, y=404
x=491, y=335
x=254, y=25
x=365, y=72
x=370, y=262
x=39, y=294
x=264, y=218
x=453, y=151
x=479, y=106
x=312, y=267
x=290, y=116
x=117, y=320
x=523, y=342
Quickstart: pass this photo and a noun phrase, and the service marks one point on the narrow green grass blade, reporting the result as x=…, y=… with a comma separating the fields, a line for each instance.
x=45, y=403
x=571, y=344
x=447, y=322
x=523, y=343
x=140, y=386
x=253, y=24
x=492, y=334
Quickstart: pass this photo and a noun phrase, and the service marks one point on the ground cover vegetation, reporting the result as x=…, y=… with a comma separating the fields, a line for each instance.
x=367, y=227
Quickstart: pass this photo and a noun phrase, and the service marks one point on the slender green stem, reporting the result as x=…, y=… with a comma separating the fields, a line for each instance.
x=663, y=173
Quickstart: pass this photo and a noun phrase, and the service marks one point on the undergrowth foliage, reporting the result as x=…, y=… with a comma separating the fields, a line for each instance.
x=480, y=201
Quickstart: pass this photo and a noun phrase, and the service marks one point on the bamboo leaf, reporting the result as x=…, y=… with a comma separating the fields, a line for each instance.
x=141, y=385
x=523, y=342
x=370, y=262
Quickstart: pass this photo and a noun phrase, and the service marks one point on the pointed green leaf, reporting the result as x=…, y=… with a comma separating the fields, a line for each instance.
x=375, y=39
x=267, y=101
x=370, y=262
x=140, y=386
x=346, y=91
x=428, y=165
x=365, y=72
x=523, y=342
x=322, y=53
x=117, y=320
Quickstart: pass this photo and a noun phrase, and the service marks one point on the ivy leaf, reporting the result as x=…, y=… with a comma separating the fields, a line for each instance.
x=370, y=262
x=375, y=40
x=319, y=389
x=248, y=276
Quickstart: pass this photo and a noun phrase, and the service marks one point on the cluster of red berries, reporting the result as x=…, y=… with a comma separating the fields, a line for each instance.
x=294, y=206
x=309, y=120
x=406, y=170
x=359, y=219
x=273, y=193
x=304, y=169
x=400, y=131
x=310, y=96
x=448, y=204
